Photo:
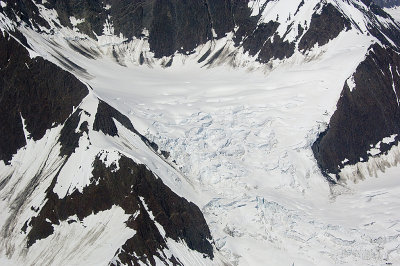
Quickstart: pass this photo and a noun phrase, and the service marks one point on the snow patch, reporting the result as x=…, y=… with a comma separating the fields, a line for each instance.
x=110, y=159
x=74, y=21
x=50, y=15
x=6, y=24
x=373, y=166
x=256, y=6
x=374, y=151
x=214, y=34
x=351, y=83
x=390, y=139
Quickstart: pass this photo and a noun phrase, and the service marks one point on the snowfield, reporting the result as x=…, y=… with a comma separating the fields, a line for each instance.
x=240, y=148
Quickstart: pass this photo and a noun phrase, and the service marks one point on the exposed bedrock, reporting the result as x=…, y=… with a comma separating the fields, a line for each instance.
x=29, y=96
x=366, y=113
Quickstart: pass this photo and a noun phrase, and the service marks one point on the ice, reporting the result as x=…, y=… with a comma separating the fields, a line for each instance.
x=239, y=135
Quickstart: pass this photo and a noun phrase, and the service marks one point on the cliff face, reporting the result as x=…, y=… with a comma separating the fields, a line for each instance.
x=174, y=26
x=387, y=3
x=31, y=100
x=367, y=112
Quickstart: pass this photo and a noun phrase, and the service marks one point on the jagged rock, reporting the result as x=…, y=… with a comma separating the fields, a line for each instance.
x=256, y=40
x=26, y=11
x=324, y=27
x=29, y=94
x=276, y=49
x=104, y=122
x=69, y=138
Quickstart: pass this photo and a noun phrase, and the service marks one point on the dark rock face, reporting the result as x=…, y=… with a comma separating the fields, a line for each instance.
x=173, y=25
x=91, y=10
x=261, y=39
x=69, y=139
x=104, y=122
x=387, y=3
x=26, y=10
x=381, y=31
x=222, y=16
x=134, y=189
x=178, y=26
x=365, y=115
x=324, y=27
x=27, y=92
x=276, y=49
x=181, y=26
x=128, y=16
x=256, y=40
x=242, y=17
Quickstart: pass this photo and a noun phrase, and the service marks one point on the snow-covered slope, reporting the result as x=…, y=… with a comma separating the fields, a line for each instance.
x=229, y=124
x=82, y=184
x=394, y=12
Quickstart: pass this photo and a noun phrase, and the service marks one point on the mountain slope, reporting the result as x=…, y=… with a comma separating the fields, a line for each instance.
x=39, y=181
x=199, y=133
x=367, y=112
